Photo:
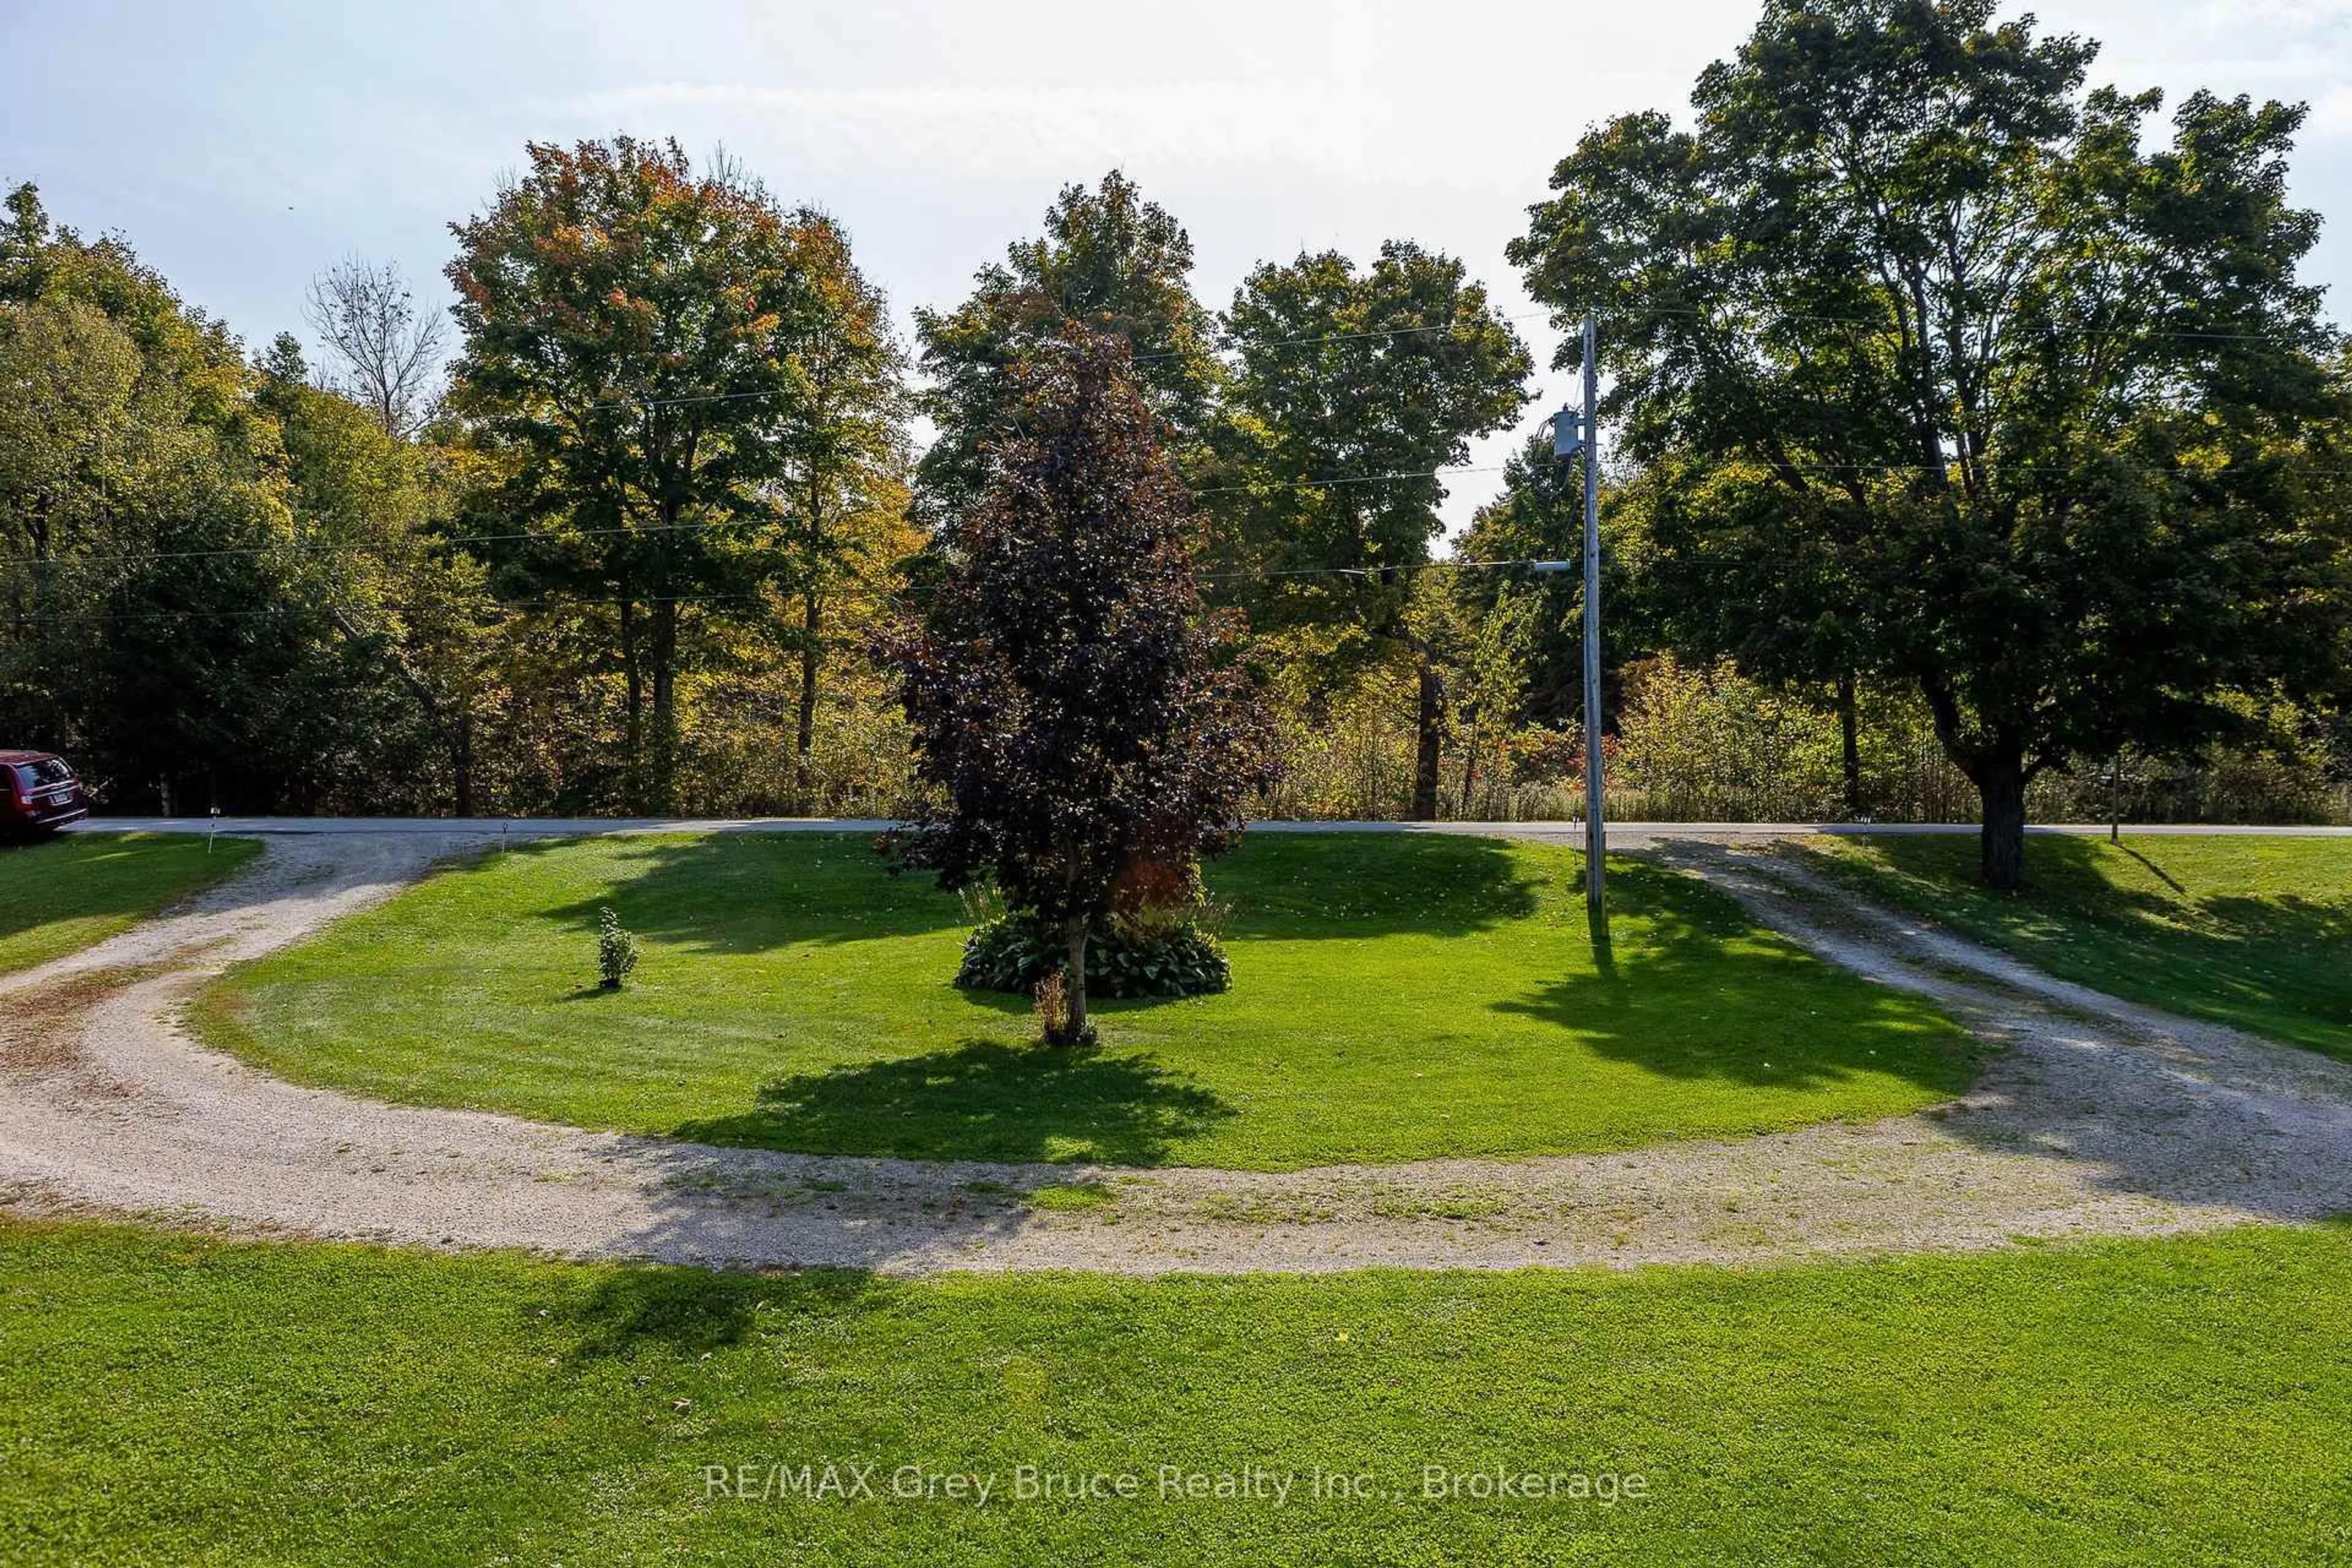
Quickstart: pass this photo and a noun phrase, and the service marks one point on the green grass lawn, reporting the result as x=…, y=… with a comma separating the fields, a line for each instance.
x=170, y=1400
x=78, y=889
x=2250, y=932
x=1393, y=998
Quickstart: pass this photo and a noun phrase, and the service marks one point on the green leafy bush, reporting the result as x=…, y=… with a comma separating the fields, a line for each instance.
x=617, y=950
x=1158, y=953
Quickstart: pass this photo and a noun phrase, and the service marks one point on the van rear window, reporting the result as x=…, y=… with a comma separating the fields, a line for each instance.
x=40, y=775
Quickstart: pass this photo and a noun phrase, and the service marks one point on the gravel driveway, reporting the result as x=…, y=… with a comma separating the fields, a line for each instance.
x=2096, y=1117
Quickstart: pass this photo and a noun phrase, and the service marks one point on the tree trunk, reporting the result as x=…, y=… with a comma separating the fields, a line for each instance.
x=811, y=621
x=457, y=737
x=1428, y=724
x=1469, y=763
x=662, y=790
x=1994, y=759
x=633, y=681
x=1849, y=732
x=1073, y=985
x=461, y=759
x=2000, y=780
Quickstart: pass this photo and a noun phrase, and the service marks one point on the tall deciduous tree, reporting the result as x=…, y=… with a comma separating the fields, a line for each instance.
x=1941, y=374
x=1539, y=516
x=369, y=508
x=387, y=356
x=1350, y=390
x=1109, y=259
x=633, y=337
x=846, y=450
x=1071, y=703
x=159, y=625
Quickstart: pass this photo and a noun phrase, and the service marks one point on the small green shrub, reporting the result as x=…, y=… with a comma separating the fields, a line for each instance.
x=617, y=951
x=1158, y=953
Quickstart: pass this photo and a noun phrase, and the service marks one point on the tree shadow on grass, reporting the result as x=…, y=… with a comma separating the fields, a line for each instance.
x=2273, y=964
x=982, y=1101
x=748, y=893
x=1687, y=987
x=742, y=893
x=682, y=1312
x=83, y=876
x=1304, y=887
x=2071, y=876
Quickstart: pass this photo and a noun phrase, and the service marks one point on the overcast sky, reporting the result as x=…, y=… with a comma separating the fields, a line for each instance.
x=241, y=147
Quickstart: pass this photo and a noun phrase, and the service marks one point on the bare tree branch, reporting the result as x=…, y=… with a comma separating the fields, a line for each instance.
x=391, y=356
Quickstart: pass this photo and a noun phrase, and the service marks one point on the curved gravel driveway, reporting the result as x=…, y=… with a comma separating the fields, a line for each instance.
x=2096, y=1116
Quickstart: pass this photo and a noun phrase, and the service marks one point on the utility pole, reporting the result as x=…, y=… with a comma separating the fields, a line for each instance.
x=1574, y=432
x=1596, y=839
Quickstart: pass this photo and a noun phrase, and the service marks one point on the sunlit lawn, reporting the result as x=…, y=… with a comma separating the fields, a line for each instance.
x=165, y=1400
x=1394, y=998
x=2254, y=931
x=71, y=891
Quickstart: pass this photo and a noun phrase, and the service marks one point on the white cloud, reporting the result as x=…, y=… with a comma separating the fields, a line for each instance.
x=1314, y=126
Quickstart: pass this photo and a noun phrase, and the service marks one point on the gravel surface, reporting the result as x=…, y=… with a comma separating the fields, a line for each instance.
x=2096, y=1116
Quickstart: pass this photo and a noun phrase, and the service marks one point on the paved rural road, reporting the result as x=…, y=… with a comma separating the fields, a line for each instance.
x=1621, y=834
x=2095, y=1118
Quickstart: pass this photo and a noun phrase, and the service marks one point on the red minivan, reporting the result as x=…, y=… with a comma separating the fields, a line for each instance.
x=39, y=793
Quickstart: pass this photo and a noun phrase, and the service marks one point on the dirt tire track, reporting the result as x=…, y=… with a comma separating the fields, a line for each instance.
x=2096, y=1118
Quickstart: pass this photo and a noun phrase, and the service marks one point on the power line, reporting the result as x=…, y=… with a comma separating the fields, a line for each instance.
x=632, y=400
x=1401, y=568
x=1322, y=481
x=337, y=546
x=1350, y=337
x=286, y=606
x=1697, y=311
x=567, y=601
x=636, y=400
x=1998, y=466
x=1335, y=481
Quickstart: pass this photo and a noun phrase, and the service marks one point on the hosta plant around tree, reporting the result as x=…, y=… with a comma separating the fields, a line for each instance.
x=1071, y=703
x=1941, y=370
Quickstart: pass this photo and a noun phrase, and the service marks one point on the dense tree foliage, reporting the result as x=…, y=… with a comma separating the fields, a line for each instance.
x=1072, y=704
x=1941, y=374
x=1962, y=421
x=1539, y=516
x=1109, y=259
x=164, y=624
x=845, y=455
x=1348, y=390
x=264, y=586
x=628, y=328
x=371, y=510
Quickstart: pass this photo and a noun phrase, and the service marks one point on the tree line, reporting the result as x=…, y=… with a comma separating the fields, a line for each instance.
x=1934, y=374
